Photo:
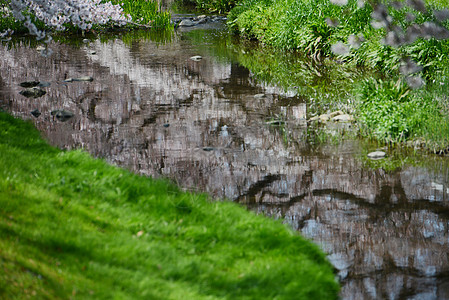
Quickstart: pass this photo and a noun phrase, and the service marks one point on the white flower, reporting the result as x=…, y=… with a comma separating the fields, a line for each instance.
x=56, y=13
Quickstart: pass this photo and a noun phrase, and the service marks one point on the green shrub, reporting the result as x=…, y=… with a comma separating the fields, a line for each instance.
x=392, y=112
x=144, y=12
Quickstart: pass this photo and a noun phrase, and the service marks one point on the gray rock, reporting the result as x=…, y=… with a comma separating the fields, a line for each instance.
x=259, y=96
x=62, y=115
x=82, y=78
x=343, y=118
x=187, y=23
x=33, y=92
x=196, y=58
x=376, y=155
x=335, y=113
x=219, y=18
x=201, y=19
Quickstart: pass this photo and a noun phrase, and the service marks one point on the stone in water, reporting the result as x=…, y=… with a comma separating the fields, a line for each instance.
x=28, y=84
x=62, y=115
x=187, y=23
x=376, y=155
x=82, y=78
x=196, y=58
x=33, y=92
x=36, y=113
x=343, y=118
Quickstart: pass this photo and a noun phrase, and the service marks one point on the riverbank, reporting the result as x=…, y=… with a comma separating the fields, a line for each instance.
x=72, y=226
x=405, y=100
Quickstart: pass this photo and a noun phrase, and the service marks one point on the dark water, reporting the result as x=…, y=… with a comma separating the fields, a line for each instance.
x=206, y=125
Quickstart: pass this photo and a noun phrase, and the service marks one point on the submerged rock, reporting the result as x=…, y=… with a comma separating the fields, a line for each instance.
x=44, y=84
x=36, y=113
x=34, y=83
x=82, y=78
x=376, y=155
x=62, y=115
x=29, y=84
x=33, y=92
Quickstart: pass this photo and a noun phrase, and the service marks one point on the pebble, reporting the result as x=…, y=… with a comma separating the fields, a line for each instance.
x=36, y=113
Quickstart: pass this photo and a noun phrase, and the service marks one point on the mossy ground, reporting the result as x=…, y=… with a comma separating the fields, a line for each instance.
x=75, y=227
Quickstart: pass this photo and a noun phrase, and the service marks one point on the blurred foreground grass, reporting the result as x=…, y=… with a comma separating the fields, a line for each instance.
x=75, y=227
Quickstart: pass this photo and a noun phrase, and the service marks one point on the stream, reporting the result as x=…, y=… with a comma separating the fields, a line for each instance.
x=210, y=124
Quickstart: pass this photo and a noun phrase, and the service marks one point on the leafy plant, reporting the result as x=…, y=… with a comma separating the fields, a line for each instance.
x=145, y=12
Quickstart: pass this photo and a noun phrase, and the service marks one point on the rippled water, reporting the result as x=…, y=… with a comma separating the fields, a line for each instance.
x=207, y=125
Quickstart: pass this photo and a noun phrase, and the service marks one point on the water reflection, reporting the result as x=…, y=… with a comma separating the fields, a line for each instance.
x=211, y=125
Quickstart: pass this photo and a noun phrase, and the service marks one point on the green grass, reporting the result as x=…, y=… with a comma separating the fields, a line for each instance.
x=145, y=12
x=75, y=227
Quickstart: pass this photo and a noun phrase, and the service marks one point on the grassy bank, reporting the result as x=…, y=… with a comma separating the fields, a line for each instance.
x=75, y=227
x=404, y=101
